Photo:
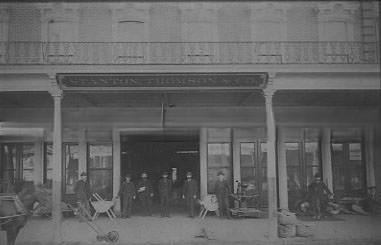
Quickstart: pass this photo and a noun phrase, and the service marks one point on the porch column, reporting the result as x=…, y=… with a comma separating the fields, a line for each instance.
x=271, y=163
x=57, y=167
x=326, y=158
x=203, y=162
x=116, y=160
x=282, y=172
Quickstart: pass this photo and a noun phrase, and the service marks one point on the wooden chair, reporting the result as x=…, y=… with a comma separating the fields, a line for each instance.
x=102, y=206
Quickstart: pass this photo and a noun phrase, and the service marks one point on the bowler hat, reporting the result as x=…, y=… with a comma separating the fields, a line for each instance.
x=128, y=176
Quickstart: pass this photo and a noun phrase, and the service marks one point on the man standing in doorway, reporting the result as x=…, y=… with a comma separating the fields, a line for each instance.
x=318, y=193
x=145, y=193
x=82, y=193
x=165, y=187
x=190, y=193
x=127, y=193
x=222, y=190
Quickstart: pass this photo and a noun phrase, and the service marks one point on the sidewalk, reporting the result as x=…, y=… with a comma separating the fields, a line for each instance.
x=350, y=229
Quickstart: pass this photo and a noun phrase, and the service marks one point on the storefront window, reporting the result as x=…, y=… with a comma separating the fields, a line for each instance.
x=293, y=172
x=28, y=162
x=253, y=171
x=8, y=166
x=219, y=159
x=312, y=160
x=248, y=166
x=71, y=156
x=48, y=164
x=303, y=162
x=17, y=164
x=100, y=169
x=348, y=169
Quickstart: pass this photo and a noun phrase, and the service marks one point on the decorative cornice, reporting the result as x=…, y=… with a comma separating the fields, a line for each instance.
x=160, y=81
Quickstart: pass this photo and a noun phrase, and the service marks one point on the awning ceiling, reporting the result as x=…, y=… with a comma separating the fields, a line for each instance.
x=152, y=99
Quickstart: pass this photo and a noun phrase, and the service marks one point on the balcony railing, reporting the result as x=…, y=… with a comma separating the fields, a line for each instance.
x=98, y=53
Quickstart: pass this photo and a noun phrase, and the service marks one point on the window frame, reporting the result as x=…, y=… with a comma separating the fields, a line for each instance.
x=347, y=168
x=228, y=178
x=90, y=169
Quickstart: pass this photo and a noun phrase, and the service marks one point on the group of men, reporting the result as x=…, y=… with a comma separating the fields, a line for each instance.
x=143, y=190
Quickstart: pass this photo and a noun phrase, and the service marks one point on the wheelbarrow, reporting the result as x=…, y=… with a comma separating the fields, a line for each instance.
x=111, y=237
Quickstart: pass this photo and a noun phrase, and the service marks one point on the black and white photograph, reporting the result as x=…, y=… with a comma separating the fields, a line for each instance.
x=190, y=122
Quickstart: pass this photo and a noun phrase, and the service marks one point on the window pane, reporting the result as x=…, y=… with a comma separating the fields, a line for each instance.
x=48, y=164
x=248, y=168
x=71, y=164
x=219, y=159
x=263, y=159
x=292, y=154
x=212, y=177
x=294, y=186
x=357, y=181
x=49, y=156
x=8, y=166
x=219, y=155
x=27, y=161
x=312, y=154
x=338, y=179
x=247, y=155
x=355, y=153
x=100, y=156
x=9, y=157
x=101, y=183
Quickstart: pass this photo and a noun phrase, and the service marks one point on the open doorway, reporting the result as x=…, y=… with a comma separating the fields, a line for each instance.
x=175, y=152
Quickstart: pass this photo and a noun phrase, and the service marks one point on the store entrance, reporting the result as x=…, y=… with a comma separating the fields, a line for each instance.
x=173, y=152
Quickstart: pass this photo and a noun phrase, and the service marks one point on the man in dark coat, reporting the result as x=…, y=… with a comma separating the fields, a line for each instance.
x=165, y=187
x=222, y=190
x=145, y=193
x=82, y=193
x=127, y=193
x=318, y=192
x=190, y=193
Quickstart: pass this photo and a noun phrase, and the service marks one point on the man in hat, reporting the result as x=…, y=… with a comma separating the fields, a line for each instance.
x=145, y=193
x=318, y=193
x=82, y=193
x=165, y=187
x=127, y=193
x=222, y=191
x=190, y=193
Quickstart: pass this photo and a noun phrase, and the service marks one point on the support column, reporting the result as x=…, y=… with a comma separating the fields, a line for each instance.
x=116, y=160
x=271, y=163
x=57, y=167
x=203, y=162
x=326, y=158
x=282, y=173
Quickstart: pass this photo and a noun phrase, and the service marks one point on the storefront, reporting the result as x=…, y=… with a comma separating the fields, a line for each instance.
x=109, y=131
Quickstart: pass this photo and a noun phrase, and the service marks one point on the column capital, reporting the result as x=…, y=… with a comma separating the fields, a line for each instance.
x=269, y=90
x=54, y=89
x=56, y=92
